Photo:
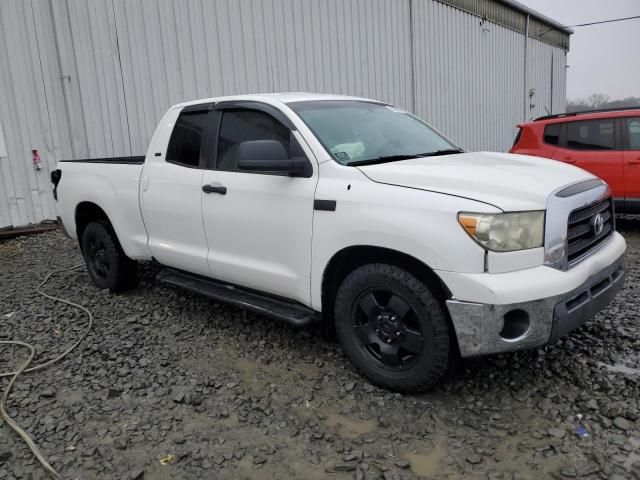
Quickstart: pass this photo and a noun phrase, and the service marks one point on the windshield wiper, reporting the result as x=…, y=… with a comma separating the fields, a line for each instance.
x=447, y=151
x=394, y=158
x=383, y=159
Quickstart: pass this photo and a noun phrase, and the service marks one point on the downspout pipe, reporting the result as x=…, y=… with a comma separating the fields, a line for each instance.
x=412, y=51
x=552, y=79
x=525, y=95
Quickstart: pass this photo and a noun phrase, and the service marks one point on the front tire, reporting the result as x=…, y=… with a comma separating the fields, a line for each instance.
x=107, y=264
x=392, y=328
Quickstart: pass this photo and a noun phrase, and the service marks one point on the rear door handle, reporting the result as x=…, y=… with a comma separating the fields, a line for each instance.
x=569, y=160
x=214, y=189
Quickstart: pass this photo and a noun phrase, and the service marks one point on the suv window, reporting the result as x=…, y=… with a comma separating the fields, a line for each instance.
x=518, y=136
x=552, y=133
x=633, y=126
x=186, y=139
x=237, y=126
x=591, y=135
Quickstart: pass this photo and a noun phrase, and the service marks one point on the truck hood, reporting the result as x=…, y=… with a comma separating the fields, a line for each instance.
x=507, y=181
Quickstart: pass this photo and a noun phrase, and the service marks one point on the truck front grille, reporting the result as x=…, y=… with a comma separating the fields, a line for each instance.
x=587, y=228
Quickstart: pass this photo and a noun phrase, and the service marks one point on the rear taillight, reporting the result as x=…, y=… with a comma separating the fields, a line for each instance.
x=56, y=175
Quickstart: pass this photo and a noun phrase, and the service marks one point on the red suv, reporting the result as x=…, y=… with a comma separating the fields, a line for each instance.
x=603, y=142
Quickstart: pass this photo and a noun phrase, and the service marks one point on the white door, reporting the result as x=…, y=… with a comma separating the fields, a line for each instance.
x=258, y=224
x=171, y=192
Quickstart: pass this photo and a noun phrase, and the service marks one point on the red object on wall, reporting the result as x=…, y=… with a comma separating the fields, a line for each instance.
x=36, y=159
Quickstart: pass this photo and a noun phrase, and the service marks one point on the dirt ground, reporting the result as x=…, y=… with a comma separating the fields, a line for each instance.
x=172, y=386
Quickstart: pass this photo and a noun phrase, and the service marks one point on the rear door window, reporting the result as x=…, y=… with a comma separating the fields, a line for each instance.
x=633, y=132
x=591, y=135
x=186, y=139
x=552, y=133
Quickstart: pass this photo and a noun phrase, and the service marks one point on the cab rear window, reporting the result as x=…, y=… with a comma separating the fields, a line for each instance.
x=186, y=139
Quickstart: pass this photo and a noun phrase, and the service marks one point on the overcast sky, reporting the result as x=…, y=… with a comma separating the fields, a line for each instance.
x=602, y=58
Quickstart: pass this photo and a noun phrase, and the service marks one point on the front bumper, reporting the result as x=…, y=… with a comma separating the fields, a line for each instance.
x=587, y=300
x=481, y=328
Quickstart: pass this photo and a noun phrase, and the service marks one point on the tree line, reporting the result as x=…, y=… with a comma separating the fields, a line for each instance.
x=600, y=100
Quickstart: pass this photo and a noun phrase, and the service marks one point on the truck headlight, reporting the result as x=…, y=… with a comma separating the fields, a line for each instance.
x=505, y=232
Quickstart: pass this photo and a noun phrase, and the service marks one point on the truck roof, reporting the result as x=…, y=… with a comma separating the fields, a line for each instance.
x=283, y=97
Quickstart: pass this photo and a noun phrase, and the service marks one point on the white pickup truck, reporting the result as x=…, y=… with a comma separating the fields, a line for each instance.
x=357, y=215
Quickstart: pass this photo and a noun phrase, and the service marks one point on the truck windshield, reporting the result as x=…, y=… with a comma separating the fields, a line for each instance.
x=359, y=133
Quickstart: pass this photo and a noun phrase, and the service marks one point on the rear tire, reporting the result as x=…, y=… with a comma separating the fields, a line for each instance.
x=392, y=328
x=107, y=264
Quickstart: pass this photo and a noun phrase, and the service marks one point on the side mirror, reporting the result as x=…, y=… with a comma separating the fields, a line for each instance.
x=268, y=156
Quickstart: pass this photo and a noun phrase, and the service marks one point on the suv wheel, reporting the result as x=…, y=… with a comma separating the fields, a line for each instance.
x=392, y=328
x=107, y=264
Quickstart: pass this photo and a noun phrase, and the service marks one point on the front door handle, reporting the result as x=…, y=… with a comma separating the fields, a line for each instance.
x=214, y=189
x=569, y=160
x=635, y=161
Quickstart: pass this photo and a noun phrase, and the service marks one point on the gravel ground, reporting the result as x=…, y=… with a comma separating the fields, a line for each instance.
x=170, y=385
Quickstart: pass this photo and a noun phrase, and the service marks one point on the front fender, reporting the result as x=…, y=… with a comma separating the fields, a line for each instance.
x=418, y=223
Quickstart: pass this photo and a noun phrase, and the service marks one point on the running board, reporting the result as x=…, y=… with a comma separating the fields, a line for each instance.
x=294, y=314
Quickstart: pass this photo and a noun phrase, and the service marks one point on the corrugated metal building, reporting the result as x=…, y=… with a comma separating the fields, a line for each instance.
x=90, y=78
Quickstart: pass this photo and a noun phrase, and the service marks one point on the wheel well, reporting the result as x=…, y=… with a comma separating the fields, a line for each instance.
x=350, y=258
x=87, y=212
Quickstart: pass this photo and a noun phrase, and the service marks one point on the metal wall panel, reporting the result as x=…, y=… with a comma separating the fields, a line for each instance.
x=92, y=71
x=559, y=81
x=6, y=184
x=24, y=111
x=175, y=51
x=469, y=76
x=91, y=78
x=513, y=15
x=546, y=74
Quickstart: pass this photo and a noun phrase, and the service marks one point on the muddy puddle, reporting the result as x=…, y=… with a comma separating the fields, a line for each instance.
x=348, y=427
x=426, y=463
x=6, y=248
x=345, y=426
x=256, y=374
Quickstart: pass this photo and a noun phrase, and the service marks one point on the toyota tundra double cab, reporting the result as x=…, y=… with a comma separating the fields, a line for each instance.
x=358, y=216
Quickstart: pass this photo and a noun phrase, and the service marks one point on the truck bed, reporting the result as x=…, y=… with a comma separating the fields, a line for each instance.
x=137, y=160
x=111, y=184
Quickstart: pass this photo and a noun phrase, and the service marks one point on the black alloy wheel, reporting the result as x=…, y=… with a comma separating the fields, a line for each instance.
x=107, y=264
x=388, y=328
x=392, y=328
x=98, y=261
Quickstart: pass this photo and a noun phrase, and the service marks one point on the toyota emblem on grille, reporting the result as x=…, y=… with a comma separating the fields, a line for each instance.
x=597, y=224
